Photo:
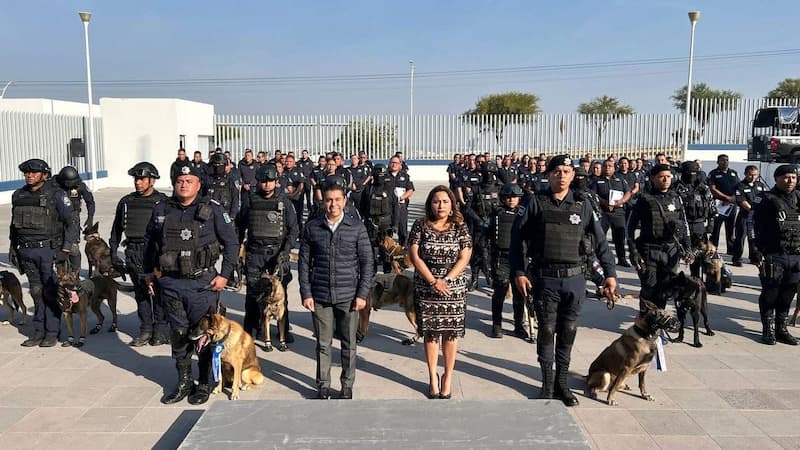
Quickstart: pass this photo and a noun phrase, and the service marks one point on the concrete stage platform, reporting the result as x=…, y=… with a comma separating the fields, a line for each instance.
x=374, y=424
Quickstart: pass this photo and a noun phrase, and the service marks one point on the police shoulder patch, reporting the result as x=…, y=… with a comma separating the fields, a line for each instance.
x=521, y=210
x=227, y=217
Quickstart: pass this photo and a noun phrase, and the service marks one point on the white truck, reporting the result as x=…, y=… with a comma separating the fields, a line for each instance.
x=775, y=135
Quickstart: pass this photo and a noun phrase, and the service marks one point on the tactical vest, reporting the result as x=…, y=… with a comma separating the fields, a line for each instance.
x=35, y=213
x=485, y=199
x=181, y=252
x=380, y=204
x=266, y=218
x=74, y=198
x=557, y=233
x=503, y=224
x=138, y=210
x=220, y=191
x=788, y=219
x=665, y=218
x=695, y=203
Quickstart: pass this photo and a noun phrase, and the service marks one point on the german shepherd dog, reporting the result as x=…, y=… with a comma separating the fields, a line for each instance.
x=11, y=296
x=76, y=296
x=690, y=296
x=389, y=289
x=271, y=299
x=629, y=354
x=98, y=253
x=397, y=255
x=240, y=368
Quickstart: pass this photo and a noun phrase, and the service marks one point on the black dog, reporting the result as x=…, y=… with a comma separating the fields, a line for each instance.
x=690, y=296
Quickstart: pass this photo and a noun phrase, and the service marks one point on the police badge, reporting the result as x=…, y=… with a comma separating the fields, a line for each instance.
x=671, y=207
x=574, y=219
x=186, y=234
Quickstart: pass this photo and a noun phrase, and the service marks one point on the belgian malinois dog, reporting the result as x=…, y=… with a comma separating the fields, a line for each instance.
x=240, y=368
x=389, y=289
x=690, y=296
x=271, y=300
x=397, y=255
x=98, y=253
x=629, y=354
x=11, y=296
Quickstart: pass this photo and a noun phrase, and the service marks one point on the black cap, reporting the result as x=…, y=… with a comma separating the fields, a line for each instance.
x=581, y=172
x=659, y=168
x=783, y=169
x=560, y=160
x=188, y=169
x=34, y=165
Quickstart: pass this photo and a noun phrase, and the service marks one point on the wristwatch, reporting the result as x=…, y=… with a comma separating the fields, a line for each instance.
x=447, y=279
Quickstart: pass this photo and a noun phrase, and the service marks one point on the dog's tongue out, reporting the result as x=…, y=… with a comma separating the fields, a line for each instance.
x=73, y=296
x=201, y=342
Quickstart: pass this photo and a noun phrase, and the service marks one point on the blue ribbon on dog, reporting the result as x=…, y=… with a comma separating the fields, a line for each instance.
x=216, y=362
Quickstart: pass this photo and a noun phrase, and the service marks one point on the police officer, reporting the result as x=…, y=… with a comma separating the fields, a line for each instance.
x=296, y=186
x=182, y=240
x=70, y=182
x=403, y=190
x=613, y=193
x=699, y=208
x=470, y=178
x=248, y=167
x=548, y=226
x=582, y=192
x=539, y=181
x=663, y=238
x=306, y=166
x=42, y=230
x=133, y=213
x=723, y=181
x=377, y=209
x=359, y=174
x=270, y=224
x=507, y=173
x=224, y=186
x=485, y=199
x=454, y=172
x=500, y=223
x=777, y=231
x=747, y=192
x=180, y=161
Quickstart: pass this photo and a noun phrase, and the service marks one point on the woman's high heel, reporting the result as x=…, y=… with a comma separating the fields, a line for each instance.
x=433, y=395
x=443, y=396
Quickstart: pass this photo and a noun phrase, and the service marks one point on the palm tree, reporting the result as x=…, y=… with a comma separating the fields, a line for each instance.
x=601, y=111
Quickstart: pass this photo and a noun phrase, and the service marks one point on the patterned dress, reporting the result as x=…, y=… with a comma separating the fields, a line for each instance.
x=438, y=315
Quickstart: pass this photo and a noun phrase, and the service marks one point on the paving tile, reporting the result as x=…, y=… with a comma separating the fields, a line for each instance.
x=675, y=377
x=743, y=362
x=750, y=442
x=751, y=399
x=723, y=379
x=697, y=362
x=773, y=379
x=150, y=420
x=128, y=396
x=52, y=396
x=10, y=416
x=724, y=423
x=52, y=419
x=696, y=399
x=136, y=441
x=106, y=419
x=75, y=440
x=684, y=442
x=19, y=440
x=792, y=442
x=788, y=397
x=624, y=442
x=608, y=420
x=51, y=377
x=667, y=422
x=775, y=423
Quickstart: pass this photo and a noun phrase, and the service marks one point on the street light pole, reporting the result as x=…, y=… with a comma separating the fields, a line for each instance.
x=85, y=18
x=694, y=16
x=3, y=93
x=411, y=114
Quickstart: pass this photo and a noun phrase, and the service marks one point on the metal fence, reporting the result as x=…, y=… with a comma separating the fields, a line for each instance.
x=40, y=135
x=714, y=121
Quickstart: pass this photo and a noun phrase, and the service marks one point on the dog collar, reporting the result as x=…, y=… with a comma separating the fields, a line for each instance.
x=641, y=332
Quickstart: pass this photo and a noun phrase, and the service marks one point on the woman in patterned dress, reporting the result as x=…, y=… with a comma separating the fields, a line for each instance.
x=440, y=247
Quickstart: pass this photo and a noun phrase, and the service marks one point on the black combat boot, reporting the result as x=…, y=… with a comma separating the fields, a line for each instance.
x=202, y=391
x=473, y=281
x=546, y=391
x=497, y=331
x=141, y=340
x=561, y=390
x=768, y=331
x=782, y=334
x=185, y=382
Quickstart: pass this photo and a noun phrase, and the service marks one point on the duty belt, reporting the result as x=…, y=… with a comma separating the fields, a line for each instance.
x=35, y=244
x=192, y=276
x=263, y=249
x=559, y=273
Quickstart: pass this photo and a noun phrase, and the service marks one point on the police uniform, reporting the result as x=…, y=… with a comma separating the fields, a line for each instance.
x=500, y=223
x=184, y=243
x=614, y=219
x=401, y=183
x=42, y=228
x=581, y=191
x=378, y=208
x=698, y=204
x=746, y=192
x=453, y=175
x=662, y=241
x=548, y=228
x=296, y=179
x=70, y=182
x=776, y=220
x=485, y=198
x=359, y=176
x=131, y=217
x=507, y=175
x=225, y=189
x=470, y=178
x=306, y=167
x=726, y=183
x=247, y=170
x=538, y=182
x=271, y=227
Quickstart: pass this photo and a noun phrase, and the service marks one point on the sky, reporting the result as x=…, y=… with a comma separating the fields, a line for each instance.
x=318, y=57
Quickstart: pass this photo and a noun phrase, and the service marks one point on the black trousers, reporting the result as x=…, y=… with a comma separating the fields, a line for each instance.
x=37, y=264
x=779, y=277
x=151, y=312
x=729, y=221
x=256, y=264
x=615, y=221
x=557, y=302
x=402, y=223
x=744, y=230
x=660, y=265
x=501, y=278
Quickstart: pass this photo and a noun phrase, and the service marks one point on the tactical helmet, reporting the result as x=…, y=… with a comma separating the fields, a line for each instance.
x=511, y=190
x=68, y=177
x=143, y=170
x=490, y=167
x=266, y=173
x=218, y=159
x=34, y=165
x=335, y=180
x=378, y=170
x=690, y=166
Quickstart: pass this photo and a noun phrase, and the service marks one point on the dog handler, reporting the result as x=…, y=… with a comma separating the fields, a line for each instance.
x=183, y=241
x=777, y=231
x=270, y=222
x=550, y=226
x=42, y=230
x=70, y=181
x=133, y=213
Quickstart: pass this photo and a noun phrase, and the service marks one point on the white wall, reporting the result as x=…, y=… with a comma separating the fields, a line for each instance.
x=46, y=105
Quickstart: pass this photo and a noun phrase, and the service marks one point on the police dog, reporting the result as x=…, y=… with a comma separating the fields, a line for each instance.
x=397, y=255
x=11, y=296
x=389, y=289
x=98, y=253
x=690, y=296
x=240, y=368
x=629, y=354
x=271, y=300
x=76, y=296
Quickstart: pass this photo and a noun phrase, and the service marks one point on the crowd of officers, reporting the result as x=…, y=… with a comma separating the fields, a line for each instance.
x=524, y=214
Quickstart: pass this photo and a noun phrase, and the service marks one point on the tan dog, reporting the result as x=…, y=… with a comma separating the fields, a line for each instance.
x=11, y=296
x=240, y=368
x=98, y=253
x=396, y=253
x=389, y=289
x=629, y=354
x=271, y=300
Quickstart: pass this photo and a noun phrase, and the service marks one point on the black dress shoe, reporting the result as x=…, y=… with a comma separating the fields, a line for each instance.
x=200, y=394
x=521, y=333
x=736, y=263
x=141, y=340
x=49, y=341
x=445, y=396
x=346, y=394
x=33, y=341
x=159, y=339
x=497, y=332
x=324, y=393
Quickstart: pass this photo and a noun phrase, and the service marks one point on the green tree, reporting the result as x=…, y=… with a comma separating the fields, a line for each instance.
x=788, y=88
x=492, y=113
x=713, y=101
x=601, y=111
x=370, y=135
